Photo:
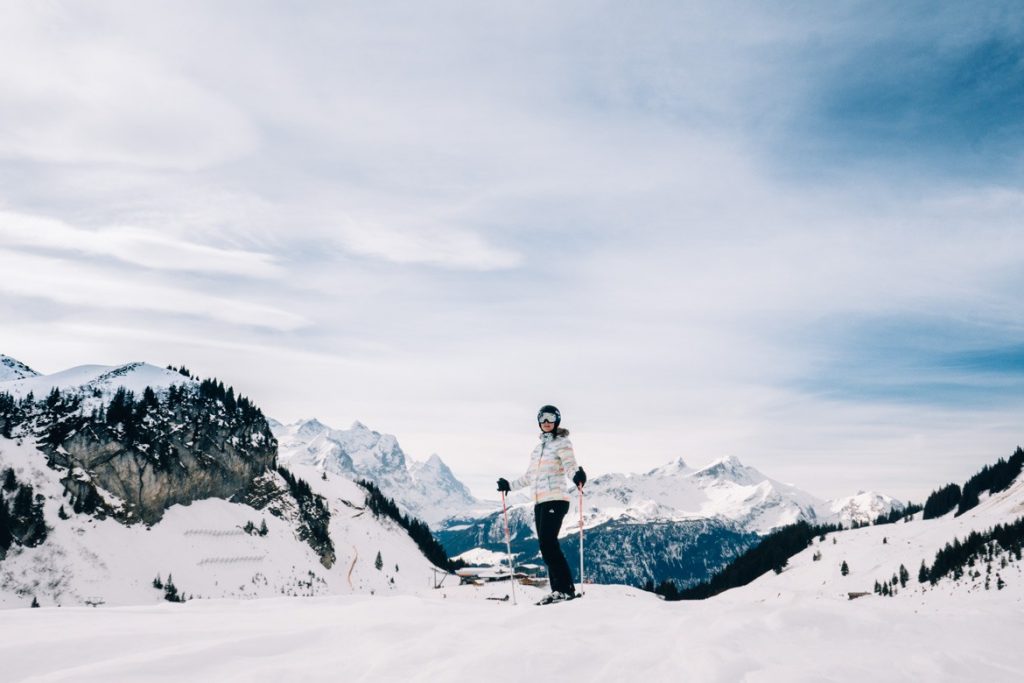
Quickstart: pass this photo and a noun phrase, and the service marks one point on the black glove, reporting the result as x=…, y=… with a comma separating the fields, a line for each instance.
x=503, y=485
x=580, y=478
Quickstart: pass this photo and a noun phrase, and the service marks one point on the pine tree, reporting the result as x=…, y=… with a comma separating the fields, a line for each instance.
x=157, y=583
x=10, y=483
x=23, y=502
x=379, y=562
x=171, y=591
x=922, y=573
x=35, y=602
x=844, y=568
x=904, y=576
x=263, y=528
x=6, y=537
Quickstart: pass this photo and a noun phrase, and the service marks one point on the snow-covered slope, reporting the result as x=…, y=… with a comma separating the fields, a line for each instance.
x=90, y=380
x=614, y=634
x=876, y=553
x=426, y=490
x=204, y=546
x=13, y=369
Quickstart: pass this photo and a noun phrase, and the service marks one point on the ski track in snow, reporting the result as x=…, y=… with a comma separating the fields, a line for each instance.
x=613, y=634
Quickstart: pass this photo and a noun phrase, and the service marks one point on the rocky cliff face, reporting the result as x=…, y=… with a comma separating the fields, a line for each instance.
x=133, y=457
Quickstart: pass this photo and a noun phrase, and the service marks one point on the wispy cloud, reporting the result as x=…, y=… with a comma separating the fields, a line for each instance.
x=402, y=240
x=87, y=286
x=137, y=246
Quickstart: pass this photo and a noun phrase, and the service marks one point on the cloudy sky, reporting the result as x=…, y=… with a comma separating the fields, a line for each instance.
x=789, y=233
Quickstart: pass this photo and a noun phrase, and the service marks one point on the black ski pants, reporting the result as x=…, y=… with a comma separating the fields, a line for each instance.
x=548, y=517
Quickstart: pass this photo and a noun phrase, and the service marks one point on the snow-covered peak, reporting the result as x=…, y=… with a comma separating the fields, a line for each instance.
x=12, y=368
x=427, y=490
x=863, y=508
x=677, y=466
x=91, y=379
x=730, y=469
x=310, y=428
x=431, y=464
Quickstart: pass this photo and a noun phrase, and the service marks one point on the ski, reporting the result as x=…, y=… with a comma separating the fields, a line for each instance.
x=551, y=599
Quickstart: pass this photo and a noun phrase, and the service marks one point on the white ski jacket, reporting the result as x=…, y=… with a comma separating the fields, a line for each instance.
x=552, y=461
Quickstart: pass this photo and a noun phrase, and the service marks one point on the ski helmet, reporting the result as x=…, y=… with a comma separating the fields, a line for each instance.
x=550, y=410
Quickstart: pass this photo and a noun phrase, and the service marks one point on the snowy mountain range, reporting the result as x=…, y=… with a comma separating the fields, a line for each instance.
x=680, y=522
x=677, y=522
x=726, y=490
x=426, y=490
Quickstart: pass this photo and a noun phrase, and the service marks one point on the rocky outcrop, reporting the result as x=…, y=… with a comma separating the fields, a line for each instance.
x=137, y=457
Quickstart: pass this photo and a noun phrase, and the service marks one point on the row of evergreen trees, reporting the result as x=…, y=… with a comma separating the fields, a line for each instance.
x=171, y=593
x=955, y=557
x=888, y=588
x=382, y=506
x=135, y=420
x=991, y=479
x=13, y=413
x=896, y=514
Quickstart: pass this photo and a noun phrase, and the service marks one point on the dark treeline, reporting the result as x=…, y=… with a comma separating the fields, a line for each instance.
x=991, y=479
x=896, y=515
x=772, y=553
x=313, y=509
x=942, y=501
x=21, y=514
x=381, y=505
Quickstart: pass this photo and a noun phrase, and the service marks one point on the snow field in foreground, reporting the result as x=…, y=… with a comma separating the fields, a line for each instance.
x=613, y=634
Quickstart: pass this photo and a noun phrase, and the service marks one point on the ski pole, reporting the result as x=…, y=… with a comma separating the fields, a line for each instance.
x=508, y=546
x=581, y=536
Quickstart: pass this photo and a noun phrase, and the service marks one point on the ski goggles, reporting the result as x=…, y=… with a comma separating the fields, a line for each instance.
x=547, y=417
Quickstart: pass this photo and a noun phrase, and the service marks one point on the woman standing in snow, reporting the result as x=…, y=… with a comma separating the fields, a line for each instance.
x=552, y=460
